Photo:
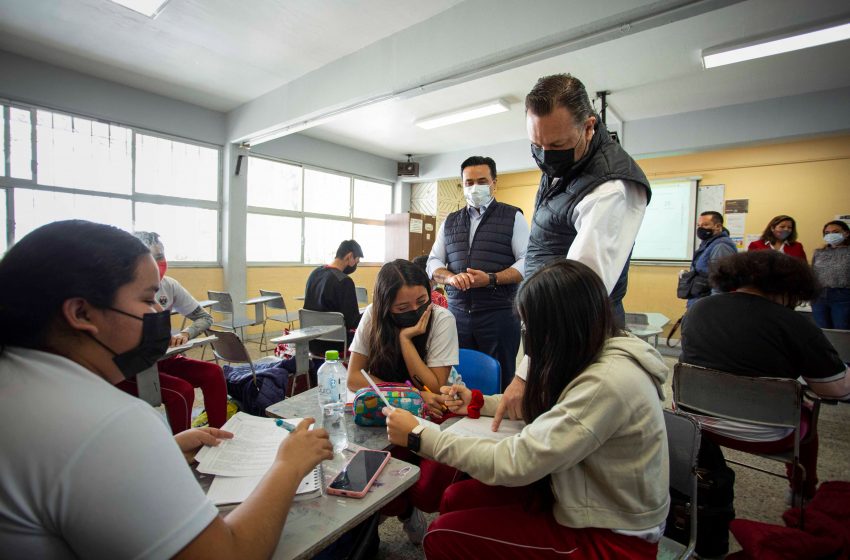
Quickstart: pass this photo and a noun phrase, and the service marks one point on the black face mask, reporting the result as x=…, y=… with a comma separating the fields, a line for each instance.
x=409, y=318
x=554, y=163
x=704, y=233
x=349, y=270
x=156, y=336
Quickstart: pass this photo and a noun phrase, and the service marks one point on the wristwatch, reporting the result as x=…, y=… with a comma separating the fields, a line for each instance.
x=414, y=440
x=492, y=276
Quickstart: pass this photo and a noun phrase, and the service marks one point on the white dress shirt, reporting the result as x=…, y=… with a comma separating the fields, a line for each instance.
x=519, y=241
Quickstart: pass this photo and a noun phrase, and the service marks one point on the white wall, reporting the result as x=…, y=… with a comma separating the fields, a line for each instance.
x=312, y=151
x=30, y=81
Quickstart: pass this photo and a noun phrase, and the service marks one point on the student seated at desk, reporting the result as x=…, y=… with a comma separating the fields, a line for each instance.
x=588, y=475
x=754, y=331
x=88, y=470
x=179, y=375
x=404, y=337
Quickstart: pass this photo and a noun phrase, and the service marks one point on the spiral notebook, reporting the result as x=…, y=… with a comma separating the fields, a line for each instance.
x=236, y=489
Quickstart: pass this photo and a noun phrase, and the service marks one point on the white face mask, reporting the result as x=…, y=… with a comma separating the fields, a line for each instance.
x=477, y=195
x=833, y=238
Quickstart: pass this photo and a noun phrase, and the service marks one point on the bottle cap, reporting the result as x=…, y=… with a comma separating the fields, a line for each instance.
x=332, y=355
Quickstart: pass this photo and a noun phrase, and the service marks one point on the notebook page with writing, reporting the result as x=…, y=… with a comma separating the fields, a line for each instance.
x=236, y=489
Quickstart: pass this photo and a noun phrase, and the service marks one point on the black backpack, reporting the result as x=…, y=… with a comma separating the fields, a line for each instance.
x=715, y=504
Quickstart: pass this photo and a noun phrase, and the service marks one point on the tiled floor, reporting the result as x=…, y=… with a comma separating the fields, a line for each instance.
x=757, y=496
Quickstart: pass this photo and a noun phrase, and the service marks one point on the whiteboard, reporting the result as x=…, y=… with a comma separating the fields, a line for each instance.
x=667, y=231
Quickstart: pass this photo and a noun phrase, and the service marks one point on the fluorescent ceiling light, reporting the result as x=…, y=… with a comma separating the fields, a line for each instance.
x=149, y=8
x=803, y=40
x=478, y=111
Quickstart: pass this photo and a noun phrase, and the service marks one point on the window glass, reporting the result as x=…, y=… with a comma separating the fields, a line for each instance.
x=272, y=184
x=2, y=141
x=3, y=233
x=273, y=239
x=372, y=240
x=322, y=238
x=81, y=153
x=20, y=148
x=36, y=208
x=189, y=234
x=326, y=193
x=372, y=200
x=172, y=168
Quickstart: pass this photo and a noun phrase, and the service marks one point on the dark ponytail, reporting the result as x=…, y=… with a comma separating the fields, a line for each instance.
x=54, y=263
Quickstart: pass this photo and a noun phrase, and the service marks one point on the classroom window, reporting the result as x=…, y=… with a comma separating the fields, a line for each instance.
x=372, y=200
x=3, y=230
x=300, y=215
x=81, y=153
x=273, y=238
x=35, y=208
x=20, y=144
x=168, y=167
x=327, y=193
x=59, y=166
x=322, y=238
x=372, y=240
x=185, y=231
x=272, y=184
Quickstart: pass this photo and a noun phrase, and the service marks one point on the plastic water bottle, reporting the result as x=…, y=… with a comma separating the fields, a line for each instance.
x=332, y=384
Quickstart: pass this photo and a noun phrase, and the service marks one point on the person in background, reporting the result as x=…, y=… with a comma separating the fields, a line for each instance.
x=780, y=235
x=88, y=470
x=330, y=288
x=588, y=475
x=479, y=255
x=752, y=330
x=437, y=297
x=179, y=375
x=831, y=265
x=715, y=243
x=403, y=337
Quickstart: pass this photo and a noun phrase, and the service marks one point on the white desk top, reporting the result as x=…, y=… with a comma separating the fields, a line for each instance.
x=307, y=333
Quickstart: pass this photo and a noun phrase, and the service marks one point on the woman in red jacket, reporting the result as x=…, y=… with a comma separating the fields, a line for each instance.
x=780, y=235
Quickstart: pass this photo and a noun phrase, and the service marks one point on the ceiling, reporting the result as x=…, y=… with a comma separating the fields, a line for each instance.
x=221, y=54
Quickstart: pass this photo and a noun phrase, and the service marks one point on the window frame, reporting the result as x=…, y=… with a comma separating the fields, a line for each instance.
x=8, y=184
x=303, y=215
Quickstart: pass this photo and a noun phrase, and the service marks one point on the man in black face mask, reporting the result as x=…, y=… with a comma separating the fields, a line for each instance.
x=591, y=199
x=330, y=288
x=715, y=243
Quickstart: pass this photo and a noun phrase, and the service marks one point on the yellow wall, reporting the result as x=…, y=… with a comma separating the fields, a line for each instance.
x=805, y=179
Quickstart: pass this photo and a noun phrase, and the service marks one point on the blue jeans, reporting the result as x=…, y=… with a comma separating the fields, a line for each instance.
x=832, y=309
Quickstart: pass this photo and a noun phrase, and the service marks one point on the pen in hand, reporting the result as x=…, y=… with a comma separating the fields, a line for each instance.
x=285, y=425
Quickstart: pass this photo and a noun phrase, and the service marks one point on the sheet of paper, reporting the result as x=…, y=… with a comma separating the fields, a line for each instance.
x=236, y=489
x=480, y=428
x=251, y=451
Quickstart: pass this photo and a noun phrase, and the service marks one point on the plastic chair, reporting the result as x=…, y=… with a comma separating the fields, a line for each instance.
x=766, y=401
x=683, y=438
x=230, y=348
x=224, y=305
x=840, y=340
x=480, y=371
x=285, y=317
x=638, y=325
x=308, y=318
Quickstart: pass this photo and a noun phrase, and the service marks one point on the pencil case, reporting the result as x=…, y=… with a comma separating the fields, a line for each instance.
x=368, y=406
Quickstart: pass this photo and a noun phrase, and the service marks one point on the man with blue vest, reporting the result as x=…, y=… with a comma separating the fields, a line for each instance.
x=479, y=254
x=715, y=243
x=590, y=202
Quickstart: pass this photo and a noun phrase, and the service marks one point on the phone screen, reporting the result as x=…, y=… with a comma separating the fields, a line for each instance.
x=359, y=471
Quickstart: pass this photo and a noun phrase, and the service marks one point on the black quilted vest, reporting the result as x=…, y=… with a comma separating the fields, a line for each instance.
x=491, y=252
x=553, y=224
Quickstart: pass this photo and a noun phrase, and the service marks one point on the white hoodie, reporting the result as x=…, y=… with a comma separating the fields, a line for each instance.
x=604, y=443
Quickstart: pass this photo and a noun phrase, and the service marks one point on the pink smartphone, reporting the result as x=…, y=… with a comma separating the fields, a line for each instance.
x=358, y=475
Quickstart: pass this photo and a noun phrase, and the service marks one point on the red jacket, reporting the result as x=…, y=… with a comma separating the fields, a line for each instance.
x=791, y=249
